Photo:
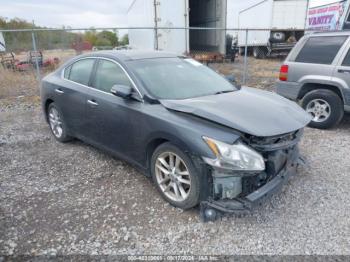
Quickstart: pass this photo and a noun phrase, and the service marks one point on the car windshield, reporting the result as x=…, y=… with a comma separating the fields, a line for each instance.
x=177, y=78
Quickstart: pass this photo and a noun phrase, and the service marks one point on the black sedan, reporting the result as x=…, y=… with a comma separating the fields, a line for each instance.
x=201, y=138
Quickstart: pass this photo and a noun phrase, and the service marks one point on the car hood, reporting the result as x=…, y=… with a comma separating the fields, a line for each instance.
x=249, y=110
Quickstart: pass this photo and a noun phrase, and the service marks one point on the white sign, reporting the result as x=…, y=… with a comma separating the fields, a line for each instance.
x=327, y=17
x=2, y=43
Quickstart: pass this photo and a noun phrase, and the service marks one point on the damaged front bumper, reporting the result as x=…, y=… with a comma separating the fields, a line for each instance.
x=281, y=163
x=212, y=209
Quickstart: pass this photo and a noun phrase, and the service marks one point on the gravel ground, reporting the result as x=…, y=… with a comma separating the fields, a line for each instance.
x=74, y=199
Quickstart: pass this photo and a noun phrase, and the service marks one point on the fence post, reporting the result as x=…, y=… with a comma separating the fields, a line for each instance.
x=245, y=58
x=36, y=57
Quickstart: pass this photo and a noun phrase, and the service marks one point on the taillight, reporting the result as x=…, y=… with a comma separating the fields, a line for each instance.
x=283, y=73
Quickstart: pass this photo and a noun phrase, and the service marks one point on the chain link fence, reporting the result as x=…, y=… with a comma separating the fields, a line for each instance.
x=252, y=56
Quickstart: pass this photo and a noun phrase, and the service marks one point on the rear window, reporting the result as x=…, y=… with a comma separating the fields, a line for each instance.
x=80, y=71
x=320, y=50
x=346, y=61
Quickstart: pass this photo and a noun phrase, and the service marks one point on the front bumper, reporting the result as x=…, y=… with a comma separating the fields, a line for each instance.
x=212, y=209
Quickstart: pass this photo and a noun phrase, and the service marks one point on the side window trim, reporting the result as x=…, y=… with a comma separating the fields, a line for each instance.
x=93, y=72
x=69, y=67
x=344, y=54
x=121, y=67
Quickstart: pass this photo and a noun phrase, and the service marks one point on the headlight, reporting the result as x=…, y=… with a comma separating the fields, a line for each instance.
x=234, y=157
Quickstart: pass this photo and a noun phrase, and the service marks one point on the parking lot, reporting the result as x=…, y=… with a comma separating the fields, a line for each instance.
x=74, y=199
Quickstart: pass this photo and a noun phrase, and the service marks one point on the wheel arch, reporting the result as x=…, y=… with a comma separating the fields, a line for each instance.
x=156, y=140
x=308, y=87
x=46, y=107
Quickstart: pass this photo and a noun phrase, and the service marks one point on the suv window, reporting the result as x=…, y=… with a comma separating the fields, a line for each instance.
x=80, y=71
x=320, y=49
x=346, y=61
x=109, y=74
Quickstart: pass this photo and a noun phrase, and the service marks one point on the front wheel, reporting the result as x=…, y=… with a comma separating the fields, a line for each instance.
x=325, y=107
x=175, y=176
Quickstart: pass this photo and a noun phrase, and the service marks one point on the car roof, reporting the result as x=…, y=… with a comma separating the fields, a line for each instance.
x=127, y=55
x=331, y=33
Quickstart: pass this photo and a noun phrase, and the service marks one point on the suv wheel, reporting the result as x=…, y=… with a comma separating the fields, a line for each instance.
x=325, y=107
x=175, y=176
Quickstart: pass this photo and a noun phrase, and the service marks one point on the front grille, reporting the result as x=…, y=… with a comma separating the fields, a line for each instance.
x=273, y=143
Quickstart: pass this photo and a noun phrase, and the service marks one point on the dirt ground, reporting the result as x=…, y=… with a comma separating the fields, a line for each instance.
x=61, y=199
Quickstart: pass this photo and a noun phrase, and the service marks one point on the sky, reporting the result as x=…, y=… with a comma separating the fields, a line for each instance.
x=80, y=14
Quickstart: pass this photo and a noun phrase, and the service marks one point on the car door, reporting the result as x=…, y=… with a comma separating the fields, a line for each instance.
x=71, y=96
x=110, y=118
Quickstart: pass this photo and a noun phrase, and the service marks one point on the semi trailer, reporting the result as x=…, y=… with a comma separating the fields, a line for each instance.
x=169, y=17
x=275, y=26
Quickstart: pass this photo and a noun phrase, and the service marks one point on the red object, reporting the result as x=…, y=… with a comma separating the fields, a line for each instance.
x=284, y=73
x=22, y=66
x=81, y=46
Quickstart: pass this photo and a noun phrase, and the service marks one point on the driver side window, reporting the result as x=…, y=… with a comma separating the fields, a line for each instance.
x=109, y=74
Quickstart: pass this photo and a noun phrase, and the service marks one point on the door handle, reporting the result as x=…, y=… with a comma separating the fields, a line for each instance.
x=59, y=91
x=92, y=102
x=343, y=71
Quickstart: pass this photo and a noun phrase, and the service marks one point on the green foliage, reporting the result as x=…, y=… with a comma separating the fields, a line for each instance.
x=125, y=40
x=22, y=41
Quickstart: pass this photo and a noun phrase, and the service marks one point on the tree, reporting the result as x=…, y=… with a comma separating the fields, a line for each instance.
x=91, y=36
x=124, y=40
x=108, y=37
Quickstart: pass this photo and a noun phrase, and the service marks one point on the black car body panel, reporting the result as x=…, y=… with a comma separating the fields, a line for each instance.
x=132, y=128
x=261, y=113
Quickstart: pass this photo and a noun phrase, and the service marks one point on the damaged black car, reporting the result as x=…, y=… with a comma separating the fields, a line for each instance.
x=202, y=139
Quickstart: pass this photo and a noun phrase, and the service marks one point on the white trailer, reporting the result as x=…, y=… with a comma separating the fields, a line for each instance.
x=332, y=16
x=283, y=19
x=2, y=43
x=178, y=14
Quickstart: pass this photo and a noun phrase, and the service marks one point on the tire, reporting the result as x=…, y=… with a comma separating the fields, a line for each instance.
x=61, y=136
x=324, y=97
x=193, y=194
x=259, y=52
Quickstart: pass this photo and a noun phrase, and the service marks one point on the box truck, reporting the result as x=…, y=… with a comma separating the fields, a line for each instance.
x=178, y=14
x=333, y=16
x=283, y=19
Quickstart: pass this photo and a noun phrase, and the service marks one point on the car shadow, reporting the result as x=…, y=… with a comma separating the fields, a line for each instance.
x=345, y=123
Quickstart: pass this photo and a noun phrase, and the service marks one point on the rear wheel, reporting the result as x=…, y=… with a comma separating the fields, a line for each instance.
x=175, y=176
x=260, y=52
x=325, y=107
x=57, y=124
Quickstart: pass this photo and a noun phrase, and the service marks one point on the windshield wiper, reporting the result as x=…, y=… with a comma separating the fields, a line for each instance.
x=223, y=92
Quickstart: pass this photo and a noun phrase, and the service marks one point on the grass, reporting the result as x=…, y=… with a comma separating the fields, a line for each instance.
x=14, y=84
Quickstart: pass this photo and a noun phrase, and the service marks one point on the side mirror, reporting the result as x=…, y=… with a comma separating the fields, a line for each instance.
x=230, y=78
x=121, y=91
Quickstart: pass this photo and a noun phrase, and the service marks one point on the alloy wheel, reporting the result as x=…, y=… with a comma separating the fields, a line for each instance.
x=173, y=176
x=319, y=109
x=55, y=122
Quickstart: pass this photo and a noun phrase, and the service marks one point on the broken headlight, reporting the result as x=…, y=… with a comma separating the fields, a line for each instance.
x=234, y=157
